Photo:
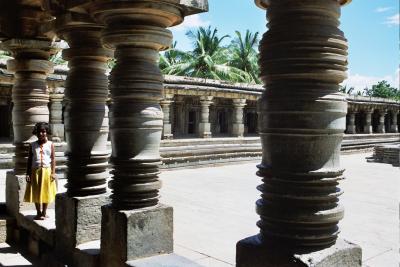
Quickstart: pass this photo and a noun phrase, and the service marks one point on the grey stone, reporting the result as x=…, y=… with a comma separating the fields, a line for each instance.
x=251, y=252
x=78, y=220
x=170, y=260
x=134, y=234
x=87, y=254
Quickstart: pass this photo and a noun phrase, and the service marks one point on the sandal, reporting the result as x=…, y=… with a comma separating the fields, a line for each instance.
x=38, y=217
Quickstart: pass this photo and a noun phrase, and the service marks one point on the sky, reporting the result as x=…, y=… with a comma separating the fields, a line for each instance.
x=371, y=27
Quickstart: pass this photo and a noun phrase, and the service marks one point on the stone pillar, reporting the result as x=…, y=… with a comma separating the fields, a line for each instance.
x=30, y=97
x=179, y=115
x=166, y=108
x=368, y=121
x=238, y=126
x=351, y=126
x=205, y=125
x=381, y=126
x=78, y=212
x=393, y=126
x=302, y=126
x=56, y=125
x=136, y=225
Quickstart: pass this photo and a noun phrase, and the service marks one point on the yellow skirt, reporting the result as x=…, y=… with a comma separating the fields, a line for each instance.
x=40, y=189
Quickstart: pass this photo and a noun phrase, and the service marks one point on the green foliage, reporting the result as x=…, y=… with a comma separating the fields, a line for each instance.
x=384, y=90
x=243, y=54
x=209, y=59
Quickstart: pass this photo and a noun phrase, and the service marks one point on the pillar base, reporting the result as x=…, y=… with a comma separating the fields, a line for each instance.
x=238, y=129
x=167, y=131
x=368, y=129
x=128, y=235
x=394, y=129
x=205, y=130
x=251, y=252
x=78, y=220
x=15, y=191
x=351, y=129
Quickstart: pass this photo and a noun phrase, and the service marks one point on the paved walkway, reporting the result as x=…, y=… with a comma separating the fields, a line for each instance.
x=214, y=208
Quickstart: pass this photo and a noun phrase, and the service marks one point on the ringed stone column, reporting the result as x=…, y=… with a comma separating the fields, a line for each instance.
x=368, y=120
x=166, y=108
x=30, y=97
x=136, y=225
x=381, y=126
x=393, y=126
x=78, y=212
x=205, y=125
x=351, y=126
x=238, y=125
x=56, y=125
x=303, y=60
x=179, y=115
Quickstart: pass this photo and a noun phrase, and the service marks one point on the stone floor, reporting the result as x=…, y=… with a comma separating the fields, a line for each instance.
x=214, y=208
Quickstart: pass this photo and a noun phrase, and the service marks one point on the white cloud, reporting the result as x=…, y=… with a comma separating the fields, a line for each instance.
x=359, y=82
x=383, y=9
x=393, y=20
x=193, y=21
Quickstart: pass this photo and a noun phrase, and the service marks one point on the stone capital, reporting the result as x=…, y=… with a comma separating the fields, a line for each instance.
x=239, y=102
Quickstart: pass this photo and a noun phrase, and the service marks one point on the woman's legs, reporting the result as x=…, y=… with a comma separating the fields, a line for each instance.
x=44, y=209
x=38, y=212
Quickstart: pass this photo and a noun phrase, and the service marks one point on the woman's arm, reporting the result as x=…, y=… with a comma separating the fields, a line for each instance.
x=29, y=165
x=53, y=163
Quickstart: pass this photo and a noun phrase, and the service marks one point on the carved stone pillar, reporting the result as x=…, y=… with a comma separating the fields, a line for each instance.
x=351, y=126
x=303, y=60
x=394, y=126
x=238, y=126
x=137, y=31
x=30, y=97
x=368, y=121
x=86, y=113
x=381, y=126
x=179, y=116
x=56, y=125
x=205, y=125
x=166, y=108
x=30, y=94
x=78, y=212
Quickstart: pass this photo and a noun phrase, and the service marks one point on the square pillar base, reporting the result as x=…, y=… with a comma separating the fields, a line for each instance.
x=251, y=252
x=394, y=129
x=205, y=129
x=15, y=191
x=167, y=131
x=133, y=234
x=368, y=129
x=238, y=129
x=351, y=129
x=78, y=220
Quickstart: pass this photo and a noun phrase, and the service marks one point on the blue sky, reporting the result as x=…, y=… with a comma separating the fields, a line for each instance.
x=371, y=27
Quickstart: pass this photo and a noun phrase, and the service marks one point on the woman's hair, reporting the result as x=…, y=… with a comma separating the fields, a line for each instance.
x=41, y=126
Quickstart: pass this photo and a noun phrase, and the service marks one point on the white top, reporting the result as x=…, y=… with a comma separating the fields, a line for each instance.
x=41, y=154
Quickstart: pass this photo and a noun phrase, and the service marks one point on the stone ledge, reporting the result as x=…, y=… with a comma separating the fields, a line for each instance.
x=251, y=252
x=42, y=229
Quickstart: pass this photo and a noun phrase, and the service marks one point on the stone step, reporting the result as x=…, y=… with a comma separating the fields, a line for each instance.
x=11, y=257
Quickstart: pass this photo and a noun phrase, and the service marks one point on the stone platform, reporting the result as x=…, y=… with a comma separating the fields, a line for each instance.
x=387, y=154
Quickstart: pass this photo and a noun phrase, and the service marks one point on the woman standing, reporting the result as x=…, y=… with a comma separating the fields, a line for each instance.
x=40, y=176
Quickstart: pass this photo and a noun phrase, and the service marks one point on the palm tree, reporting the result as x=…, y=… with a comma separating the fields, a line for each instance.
x=170, y=58
x=208, y=58
x=244, y=55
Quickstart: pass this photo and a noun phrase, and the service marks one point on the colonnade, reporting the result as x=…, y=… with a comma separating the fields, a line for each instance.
x=301, y=124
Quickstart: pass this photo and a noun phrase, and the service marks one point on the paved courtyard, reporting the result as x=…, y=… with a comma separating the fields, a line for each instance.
x=214, y=208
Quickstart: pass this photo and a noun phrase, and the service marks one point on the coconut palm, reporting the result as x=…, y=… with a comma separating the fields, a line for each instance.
x=208, y=58
x=244, y=55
